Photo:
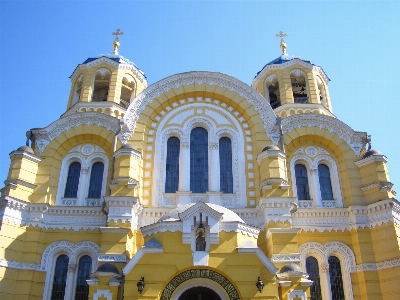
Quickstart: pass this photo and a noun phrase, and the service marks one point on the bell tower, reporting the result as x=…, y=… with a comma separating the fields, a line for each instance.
x=106, y=83
x=292, y=85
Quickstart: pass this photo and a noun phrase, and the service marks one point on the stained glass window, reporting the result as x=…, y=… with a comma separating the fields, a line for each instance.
x=335, y=275
x=313, y=271
x=60, y=278
x=325, y=182
x=225, y=163
x=199, y=160
x=71, y=188
x=84, y=270
x=172, y=165
x=303, y=191
x=96, y=180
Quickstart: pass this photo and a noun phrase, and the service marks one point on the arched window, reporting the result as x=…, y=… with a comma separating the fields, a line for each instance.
x=71, y=188
x=335, y=275
x=325, y=182
x=96, y=179
x=127, y=89
x=313, y=271
x=172, y=166
x=225, y=162
x=299, y=86
x=303, y=191
x=60, y=278
x=100, y=85
x=84, y=270
x=199, y=160
x=272, y=89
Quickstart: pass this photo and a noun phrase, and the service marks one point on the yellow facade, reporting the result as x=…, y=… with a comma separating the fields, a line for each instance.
x=200, y=187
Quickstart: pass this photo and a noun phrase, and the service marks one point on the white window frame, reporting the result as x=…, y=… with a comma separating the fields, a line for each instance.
x=84, y=178
x=74, y=253
x=311, y=164
x=322, y=254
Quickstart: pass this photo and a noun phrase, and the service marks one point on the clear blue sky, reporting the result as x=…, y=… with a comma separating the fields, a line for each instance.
x=357, y=43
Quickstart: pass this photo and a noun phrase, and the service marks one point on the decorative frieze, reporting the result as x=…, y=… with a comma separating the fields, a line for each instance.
x=378, y=266
x=112, y=257
x=280, y=258
x=42, y=137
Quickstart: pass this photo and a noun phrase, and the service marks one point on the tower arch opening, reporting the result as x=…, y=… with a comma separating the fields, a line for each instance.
x=101, y=84
x=127, y=90
x=299, y=86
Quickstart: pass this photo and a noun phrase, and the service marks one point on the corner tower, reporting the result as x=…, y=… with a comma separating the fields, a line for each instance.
x=106, y=84
x=293, y=86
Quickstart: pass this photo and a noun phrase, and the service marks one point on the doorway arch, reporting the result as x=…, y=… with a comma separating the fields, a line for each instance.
x=199, y=280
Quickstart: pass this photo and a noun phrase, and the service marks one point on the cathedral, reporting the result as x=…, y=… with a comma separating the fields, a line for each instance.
x=198, y=187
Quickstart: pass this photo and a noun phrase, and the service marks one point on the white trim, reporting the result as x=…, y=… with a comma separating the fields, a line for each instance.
x=387, y=264
x=311, y=163
x=198, y=78
x=249, y=247
x=86, y=162
x=102, y=293
x=139, y=254
x=322, y=254
x=207, y=283
x=74, y=252
x=215, y=132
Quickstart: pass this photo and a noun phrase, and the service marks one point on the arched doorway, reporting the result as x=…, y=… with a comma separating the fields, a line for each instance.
x=199, y=293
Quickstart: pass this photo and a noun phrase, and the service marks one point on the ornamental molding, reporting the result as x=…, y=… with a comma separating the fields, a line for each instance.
x=196, y=78
x=295, y=61
x=371, y=159
x=248, y=247
x=278, y=258
x=20, y=265
x=322, y=254
x=112, y=258
x=45, y=216
x=383, y=186
x=16, y=182
x=193, y=274
x=72, y=250
x=270, y=153
x=378, y=266
x=42, y=137
x=124, y=209
x=26, y=155
x=128, y=152
x=356, y=140
x=353, y=217
x=104, y=59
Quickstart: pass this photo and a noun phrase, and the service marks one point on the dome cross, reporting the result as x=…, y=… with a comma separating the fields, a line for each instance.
x=283, y=44
x=116, y=41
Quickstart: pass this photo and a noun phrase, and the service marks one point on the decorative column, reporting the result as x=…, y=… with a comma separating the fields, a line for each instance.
x=315, y=188
x=184, y=174
x=69, y=285
x=213, y=168
x=83, y=186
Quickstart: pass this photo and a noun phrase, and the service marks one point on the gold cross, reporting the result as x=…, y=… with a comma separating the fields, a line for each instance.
x=283, y=44
x=116, y=41
x=119, y=32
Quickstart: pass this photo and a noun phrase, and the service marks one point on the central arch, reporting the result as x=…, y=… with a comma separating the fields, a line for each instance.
x=199, y=280
x=199, y=79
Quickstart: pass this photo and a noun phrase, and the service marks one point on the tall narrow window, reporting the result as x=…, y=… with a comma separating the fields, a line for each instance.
x=60, y=278
x=71, y=188
x=325, y=182
x=225, y=163
x=313, y=271
x=96, y=180
x=84, y=270
x=303, y=191
x=199, y=160
x=335, y=275
x=172, y=165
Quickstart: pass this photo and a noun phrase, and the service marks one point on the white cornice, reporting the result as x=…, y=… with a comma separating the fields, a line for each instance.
x=353, y=217
x=26, y=155
x=378, y=266
x=129, y=152
x=270, y=153
x=43, y=136
x=356, y=140
x=248, y=247
x=371, y=159
x=46, y=216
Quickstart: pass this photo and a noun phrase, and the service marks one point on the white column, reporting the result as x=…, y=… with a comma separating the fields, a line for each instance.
x=213, y=168
x=184, y=167
x=69, y=286
x=315, y=189
x=83, y=187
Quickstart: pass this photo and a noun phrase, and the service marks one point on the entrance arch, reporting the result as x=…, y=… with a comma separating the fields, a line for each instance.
x=199, y=293
x=200, y=281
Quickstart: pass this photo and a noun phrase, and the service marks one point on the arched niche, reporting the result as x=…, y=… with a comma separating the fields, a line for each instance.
x=77, y=90
x=272, y=93
x=127, y=90
x=299, y=84
x=101, y=84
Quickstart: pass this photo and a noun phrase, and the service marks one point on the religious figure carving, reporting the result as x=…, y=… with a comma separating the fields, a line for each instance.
x=201, y=241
